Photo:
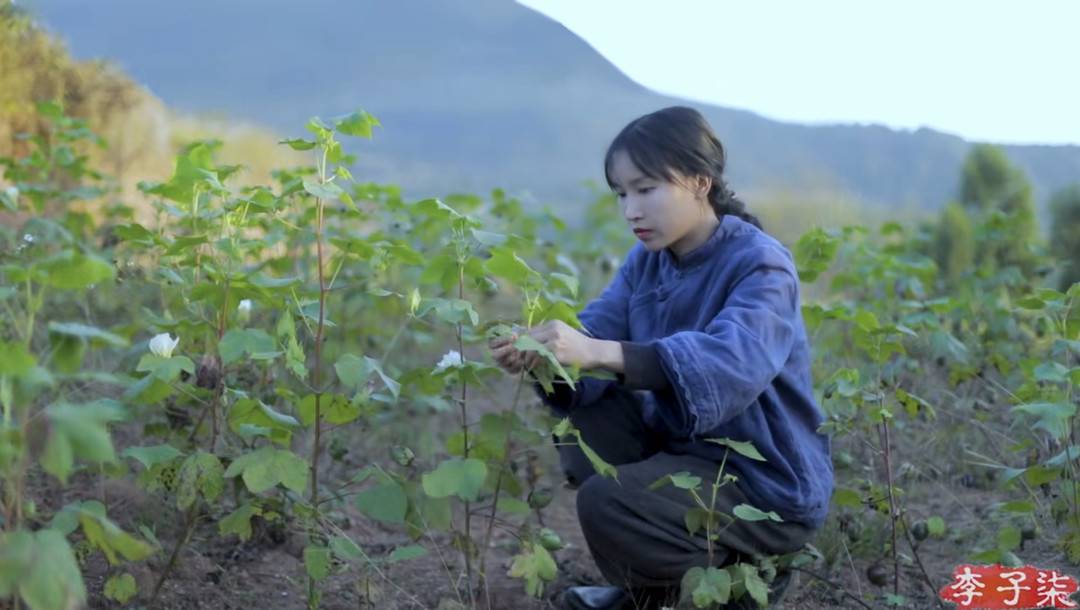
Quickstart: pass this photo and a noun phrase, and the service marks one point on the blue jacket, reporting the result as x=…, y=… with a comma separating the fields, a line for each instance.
x=726, y=322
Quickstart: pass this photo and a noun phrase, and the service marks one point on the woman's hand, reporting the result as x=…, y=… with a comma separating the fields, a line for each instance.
x=568, y=345
x=508, y=357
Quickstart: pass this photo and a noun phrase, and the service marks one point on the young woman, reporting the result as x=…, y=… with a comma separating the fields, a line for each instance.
x=702, y=326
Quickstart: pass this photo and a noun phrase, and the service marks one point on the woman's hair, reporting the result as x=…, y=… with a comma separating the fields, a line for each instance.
x=678, y=138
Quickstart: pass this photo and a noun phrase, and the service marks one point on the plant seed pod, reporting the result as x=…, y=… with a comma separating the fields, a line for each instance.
x=539, y=498
x=877, y=575
x=402, y=455
x=208, y=373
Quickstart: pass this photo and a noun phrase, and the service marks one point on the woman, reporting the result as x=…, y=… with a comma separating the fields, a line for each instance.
x=702, y=326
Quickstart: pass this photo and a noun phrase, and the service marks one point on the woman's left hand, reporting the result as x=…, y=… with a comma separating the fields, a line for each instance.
x=568, y=345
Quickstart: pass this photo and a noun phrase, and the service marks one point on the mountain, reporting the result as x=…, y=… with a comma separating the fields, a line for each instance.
x=474, y=94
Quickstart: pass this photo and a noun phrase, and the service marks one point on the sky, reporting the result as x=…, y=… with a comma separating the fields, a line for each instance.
x=996, y=71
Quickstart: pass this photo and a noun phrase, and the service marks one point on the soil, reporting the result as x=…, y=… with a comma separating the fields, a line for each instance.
x=267, y=571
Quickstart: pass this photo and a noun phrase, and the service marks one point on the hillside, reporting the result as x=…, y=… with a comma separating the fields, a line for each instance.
x=481, y=93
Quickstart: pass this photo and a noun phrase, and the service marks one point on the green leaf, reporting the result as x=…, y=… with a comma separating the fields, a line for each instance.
x=346, y=548
x=405, y=553
x=451, y=311
x=1052, y=416
x=333, y=408
x=121, y=587
x=385, y=502
x=755, y=586
x=317, y=562
x=239, y=521
x=264, y=468
x=843, y=496
x=165, y=369
x=51, y=580
x=506, y=264
x=682, y=480
x=747, y=512
x=83, y=331
x=527, y=343
x=15, y=359
x=487, y=238
x=570, y=282
x=252, y=341
x=536, y=566
x=1018, y=506
x=251, y=412
x=695, y=518
x=358, y=124
x=323, y=190
x=513, y=506
x=936, y=526
x=456, y=477
x=814, y=253
x=148, y=456
x=298, y=144
x=706, y=586
x=200, y=474
x=354, y=371
x=598, y=463
x=70, y=270
x=108, y=537
x=79, y=431
x=194, y=169
x=1008, y=538
x=744, y=448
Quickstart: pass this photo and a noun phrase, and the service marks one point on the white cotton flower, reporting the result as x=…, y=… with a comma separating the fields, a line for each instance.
x=243, y=311
x=163, y=345
x=452, y=359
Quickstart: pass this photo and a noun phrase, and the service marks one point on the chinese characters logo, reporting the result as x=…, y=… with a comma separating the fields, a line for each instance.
x=995, y=587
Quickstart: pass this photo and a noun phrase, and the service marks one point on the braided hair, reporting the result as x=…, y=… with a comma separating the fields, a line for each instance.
x=679, y=138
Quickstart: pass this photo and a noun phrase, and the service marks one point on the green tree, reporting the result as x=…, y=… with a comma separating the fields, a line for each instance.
x=1065, y=233
x=954, y=241
x=990, y=184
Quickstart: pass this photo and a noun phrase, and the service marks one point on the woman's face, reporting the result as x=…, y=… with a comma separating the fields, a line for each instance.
x=663, y=214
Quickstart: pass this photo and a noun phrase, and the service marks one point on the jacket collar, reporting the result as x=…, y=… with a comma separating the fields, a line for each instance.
x=728, y=224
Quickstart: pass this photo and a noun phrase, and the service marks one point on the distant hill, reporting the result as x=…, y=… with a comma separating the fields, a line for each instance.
x=475, y=94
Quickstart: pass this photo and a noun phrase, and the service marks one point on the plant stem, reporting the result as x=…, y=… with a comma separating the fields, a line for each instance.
x=918, y=560
x=892, y=504
x=835, y=586
x=189, y=527
x=317, y=376
x=504, y=465
x=465, y=442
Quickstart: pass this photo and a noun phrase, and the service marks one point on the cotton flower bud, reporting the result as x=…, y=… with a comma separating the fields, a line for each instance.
x=414, y=301
x=243, y=311
x=163, y=345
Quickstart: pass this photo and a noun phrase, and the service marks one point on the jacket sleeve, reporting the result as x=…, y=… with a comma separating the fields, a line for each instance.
x=605, y=317
x=719, y=371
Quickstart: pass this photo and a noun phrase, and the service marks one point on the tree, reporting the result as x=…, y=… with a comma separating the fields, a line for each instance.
x=991, y=185
x=954, y=241
x=1065, y=233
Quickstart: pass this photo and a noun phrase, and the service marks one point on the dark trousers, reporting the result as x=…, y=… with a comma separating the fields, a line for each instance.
x=638, y=537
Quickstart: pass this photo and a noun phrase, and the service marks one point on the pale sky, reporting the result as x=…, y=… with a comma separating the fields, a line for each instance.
x=993, y=70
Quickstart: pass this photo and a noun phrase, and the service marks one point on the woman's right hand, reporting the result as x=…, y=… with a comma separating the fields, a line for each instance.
x=508, y=357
